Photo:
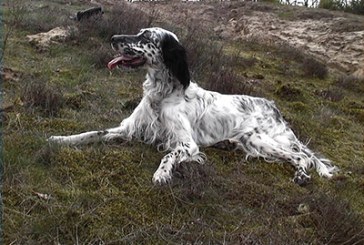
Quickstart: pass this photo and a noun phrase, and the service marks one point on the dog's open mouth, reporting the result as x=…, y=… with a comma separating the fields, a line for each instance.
x=126, y=61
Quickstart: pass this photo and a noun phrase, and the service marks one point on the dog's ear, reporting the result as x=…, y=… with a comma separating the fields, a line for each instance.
x=174, y=57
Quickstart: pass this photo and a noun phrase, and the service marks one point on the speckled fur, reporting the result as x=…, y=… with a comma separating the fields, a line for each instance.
x=179, y=116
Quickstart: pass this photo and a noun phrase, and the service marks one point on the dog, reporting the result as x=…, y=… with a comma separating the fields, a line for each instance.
x=179, y=116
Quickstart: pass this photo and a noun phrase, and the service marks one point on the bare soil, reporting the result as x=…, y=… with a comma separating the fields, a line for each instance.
x=333, y=37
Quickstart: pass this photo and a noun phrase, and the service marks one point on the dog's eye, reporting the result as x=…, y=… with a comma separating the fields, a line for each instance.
x=147, y=34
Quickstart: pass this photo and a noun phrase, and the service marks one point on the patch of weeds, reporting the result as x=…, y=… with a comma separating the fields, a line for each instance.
x=122, y=18
x=356, y=109
x=288, y=52
x=291, y=57
x=47, y=154
x=226, y=81
x=192, y=180
x=333, y=220
x=287, y=15
x=266, y=6
x=96, y=32
x=213, y=66
x=331, y=94
x=74, y=101
x=42, y=96
x=347, y=25
x=100, y=56
x=359, y=114
x=289, y=93
x=41, y=19
x=298, y=106
x=313, y=14
x=351, y=83
x=314, y=68
x=329, y=117
x=203, y=56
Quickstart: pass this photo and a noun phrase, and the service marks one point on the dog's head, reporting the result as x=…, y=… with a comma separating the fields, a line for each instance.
x=152, y=47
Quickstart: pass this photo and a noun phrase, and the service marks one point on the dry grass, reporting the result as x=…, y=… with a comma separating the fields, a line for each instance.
x=314, y=68
x=331, y=220
x=102, y=193
x=212, y=67
x=121, y=18
x=38, y=19
x=351, y=83
x=41, y=96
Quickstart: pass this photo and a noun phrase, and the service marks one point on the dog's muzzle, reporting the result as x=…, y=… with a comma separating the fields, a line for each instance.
x=127, y=57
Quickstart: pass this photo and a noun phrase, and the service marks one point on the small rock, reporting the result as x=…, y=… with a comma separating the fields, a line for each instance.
x=42, y=41
x=303, y=208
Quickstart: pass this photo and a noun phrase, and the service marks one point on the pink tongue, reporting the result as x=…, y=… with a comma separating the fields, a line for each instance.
x=112, y=64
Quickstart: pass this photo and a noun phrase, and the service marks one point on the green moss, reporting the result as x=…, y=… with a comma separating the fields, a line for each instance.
x=102, y=193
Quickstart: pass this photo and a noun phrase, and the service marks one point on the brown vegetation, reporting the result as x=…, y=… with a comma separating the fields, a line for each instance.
x=102, y=194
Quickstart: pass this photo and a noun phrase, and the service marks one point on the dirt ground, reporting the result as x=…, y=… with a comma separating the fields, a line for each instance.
x=334, y=37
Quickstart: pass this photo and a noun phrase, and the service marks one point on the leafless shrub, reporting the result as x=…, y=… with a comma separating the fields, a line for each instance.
x=202, y=56
x=120, y=19
x=351, y=83
x=334, y=221
x=289, y=92
x=101, y=56
x=43, y=19
x=288, y=52
x=211, y=66
x=347, y=25
x=310, y=66
x=15, y=14
x=314, y=68
x=39, y=94
x=265, y=6
x=227, y=82
x=313, y=14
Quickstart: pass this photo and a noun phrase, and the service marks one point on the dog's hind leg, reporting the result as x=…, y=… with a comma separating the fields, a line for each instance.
x=285, y=147
x=185, y=151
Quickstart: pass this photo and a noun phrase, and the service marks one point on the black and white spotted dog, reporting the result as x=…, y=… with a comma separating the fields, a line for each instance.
x=181, y=116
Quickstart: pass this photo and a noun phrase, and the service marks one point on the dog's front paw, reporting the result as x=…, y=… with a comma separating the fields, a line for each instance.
x=161, y=176
x=60, y=140
x=54, y=139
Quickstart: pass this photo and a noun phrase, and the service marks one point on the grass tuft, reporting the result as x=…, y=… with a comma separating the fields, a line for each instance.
x=41, y=96
x=228, y=82
x=333, y=220
x=314, y=68
x=351, y=83
x=289, y=92
x=121, y=18
x=192, y=180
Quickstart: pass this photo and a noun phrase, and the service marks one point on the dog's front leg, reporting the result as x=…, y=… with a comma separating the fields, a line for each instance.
x=185, y=151
x=125, y=131
x=91, y=137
